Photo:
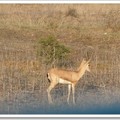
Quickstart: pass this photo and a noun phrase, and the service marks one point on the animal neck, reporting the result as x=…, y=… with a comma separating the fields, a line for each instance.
x=83, y=62
x=81, y=72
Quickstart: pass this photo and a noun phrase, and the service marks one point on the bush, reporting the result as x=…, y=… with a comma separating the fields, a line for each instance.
x=50, y=50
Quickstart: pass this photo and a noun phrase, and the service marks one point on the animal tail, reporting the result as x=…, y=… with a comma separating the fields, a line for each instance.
x=48, y=78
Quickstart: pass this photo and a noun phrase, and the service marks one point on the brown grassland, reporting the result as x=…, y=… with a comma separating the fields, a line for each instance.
x=77, y=26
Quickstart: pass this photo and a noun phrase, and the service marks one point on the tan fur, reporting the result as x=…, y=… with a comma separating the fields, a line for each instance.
x=81, y=65
x=69, y=77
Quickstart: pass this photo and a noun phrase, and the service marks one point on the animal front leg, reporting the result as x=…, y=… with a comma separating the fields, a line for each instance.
x=73, y=92
x=69, y=91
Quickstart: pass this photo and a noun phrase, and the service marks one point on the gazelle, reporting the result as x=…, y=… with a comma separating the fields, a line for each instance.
x=69, y=77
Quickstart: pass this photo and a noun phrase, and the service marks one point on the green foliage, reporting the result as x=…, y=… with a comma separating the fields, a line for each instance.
x=50, y=50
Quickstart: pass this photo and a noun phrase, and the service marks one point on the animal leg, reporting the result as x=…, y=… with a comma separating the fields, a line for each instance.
x=52, y=85
x=69, y=91
x=73, y=92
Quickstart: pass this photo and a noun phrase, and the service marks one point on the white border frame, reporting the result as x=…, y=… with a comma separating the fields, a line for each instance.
x=70, y=116
x=59, y=2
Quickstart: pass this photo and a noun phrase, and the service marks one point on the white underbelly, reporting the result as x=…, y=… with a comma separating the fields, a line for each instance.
x=62, y=81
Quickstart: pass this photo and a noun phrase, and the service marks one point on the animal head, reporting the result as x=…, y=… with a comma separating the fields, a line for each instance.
x=88, y=66
x=84, y=65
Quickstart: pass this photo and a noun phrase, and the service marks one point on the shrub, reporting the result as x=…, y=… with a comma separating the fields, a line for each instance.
x=50, y=50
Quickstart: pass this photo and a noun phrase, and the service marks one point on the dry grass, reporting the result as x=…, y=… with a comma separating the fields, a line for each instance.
x=77, y=26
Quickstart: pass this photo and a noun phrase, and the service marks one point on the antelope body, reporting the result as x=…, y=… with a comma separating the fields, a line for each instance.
x=69, y=77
